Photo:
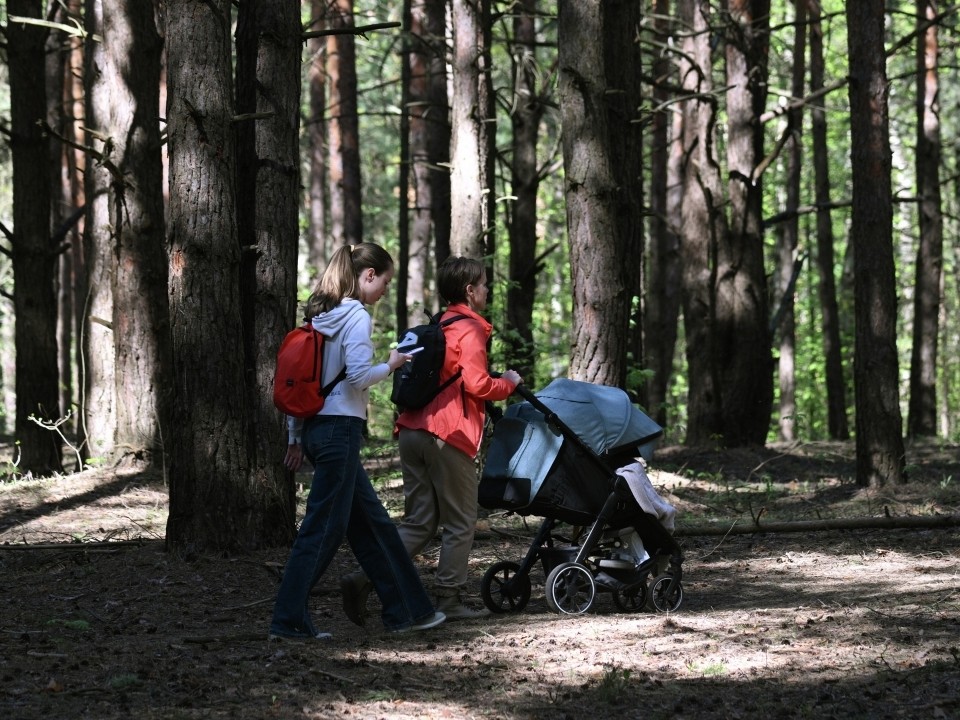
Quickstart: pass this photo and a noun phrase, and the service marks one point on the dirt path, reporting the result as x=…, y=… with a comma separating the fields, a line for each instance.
x=856, y=624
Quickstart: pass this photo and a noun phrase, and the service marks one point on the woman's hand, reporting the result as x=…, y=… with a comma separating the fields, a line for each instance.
x=397, y=359
x=513, y=376
x=294, y=457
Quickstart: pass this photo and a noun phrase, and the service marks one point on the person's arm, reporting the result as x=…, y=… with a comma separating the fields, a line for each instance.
x=475, y=373
x=294, y=457
x=358, y=351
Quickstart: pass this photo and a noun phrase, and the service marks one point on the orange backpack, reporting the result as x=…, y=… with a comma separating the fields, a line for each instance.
x=296, y=382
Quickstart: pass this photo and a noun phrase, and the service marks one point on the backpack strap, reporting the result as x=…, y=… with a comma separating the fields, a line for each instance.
x=328, y=388
x=443, y=323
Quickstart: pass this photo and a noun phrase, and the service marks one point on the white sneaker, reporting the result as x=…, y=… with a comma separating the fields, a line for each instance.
x=431, y=622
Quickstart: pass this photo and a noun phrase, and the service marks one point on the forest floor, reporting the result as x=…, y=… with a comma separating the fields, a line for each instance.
x=98, y=621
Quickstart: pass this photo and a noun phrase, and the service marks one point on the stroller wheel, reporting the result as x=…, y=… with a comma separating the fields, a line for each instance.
x=631, y=600
x=663, y=598
x=570, y=589
x=503, y=590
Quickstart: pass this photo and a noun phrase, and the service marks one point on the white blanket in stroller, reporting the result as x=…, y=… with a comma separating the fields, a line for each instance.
x=646, y=496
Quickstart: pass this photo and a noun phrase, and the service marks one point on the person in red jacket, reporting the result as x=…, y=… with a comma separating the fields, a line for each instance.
x=439, y=442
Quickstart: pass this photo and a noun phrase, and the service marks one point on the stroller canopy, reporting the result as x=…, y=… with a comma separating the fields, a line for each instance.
x=602, y=416
x=525, y=446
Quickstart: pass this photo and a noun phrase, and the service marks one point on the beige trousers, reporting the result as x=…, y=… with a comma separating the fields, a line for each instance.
x=439, y=490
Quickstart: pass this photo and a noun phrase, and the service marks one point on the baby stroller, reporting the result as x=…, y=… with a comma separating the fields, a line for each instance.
x=569, y=454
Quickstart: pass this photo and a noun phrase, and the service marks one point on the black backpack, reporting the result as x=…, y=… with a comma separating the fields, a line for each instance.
x=417, y=382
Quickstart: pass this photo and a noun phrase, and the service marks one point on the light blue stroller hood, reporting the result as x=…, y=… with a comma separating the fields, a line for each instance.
x=525, y=446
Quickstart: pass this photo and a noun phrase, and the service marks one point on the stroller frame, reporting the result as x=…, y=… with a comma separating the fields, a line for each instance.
x=577, y=570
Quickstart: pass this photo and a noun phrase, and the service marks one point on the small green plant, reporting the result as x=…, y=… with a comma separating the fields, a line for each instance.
x=613, y=683
x=946, y=482
x=81, y=625
x=124, y=681
x=711, y=670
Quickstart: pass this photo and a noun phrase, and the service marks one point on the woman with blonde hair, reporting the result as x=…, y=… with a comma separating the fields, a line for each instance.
x=342, y=502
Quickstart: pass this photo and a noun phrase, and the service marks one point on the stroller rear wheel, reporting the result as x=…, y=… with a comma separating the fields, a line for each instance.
x=570, y=589
x=503, y=590
x=633, y=599
x=663, y=598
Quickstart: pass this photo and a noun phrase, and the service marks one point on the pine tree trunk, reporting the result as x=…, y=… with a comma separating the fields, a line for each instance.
x=268, y=186
x=318, y=249
x=837, y=425
x=789, y=237
x=34, y=258
x=880, y=451
x=471, y=154
x=600, y=296
x=210, y=503
x=416, y=256
x=98, y=402
x=922, y=417
x=743, y=345
x=524, y=266
x=663, y=254
x=343, y=128
x=123, y=110
x=703, y=225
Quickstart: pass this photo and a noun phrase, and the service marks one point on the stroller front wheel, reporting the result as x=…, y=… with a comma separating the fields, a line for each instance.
x=503, y=590
x=666, y=594
x=570, y=589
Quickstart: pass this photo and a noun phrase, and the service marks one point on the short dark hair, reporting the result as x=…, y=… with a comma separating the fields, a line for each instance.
x=453, y=276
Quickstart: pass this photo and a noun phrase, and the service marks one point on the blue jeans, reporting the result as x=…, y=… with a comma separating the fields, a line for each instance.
x=342, y=503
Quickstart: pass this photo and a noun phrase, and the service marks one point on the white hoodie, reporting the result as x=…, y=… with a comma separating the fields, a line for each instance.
x=347, y=329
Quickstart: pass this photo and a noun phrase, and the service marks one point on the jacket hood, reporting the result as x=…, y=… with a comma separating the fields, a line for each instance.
x=332, y=321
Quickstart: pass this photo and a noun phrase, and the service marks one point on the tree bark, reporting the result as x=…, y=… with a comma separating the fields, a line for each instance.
x=922, y=416
x=210, y=504
x=527, y=110
x=343, y=131
x=837, y=425
x=879, y=438
x=439, y=139
x=663, y=253
x=473, y=132
x=318, y=250
x=33, y=255
x=600, y=295
x=268, y=188
x=789, y=237
x=743, y=344
x=703, y=225
x=123, y=114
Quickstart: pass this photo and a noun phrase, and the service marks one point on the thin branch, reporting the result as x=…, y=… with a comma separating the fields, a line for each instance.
x=361, y=30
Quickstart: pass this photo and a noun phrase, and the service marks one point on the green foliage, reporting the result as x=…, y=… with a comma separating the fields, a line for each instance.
x=613, y=683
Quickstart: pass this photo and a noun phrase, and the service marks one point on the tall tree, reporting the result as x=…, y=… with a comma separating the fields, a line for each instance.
x=788, y=264
x=210, y=503
x=837, y=425
x=880, y=451
x=33, y=254
x=428, y=153
x=663, y=254
x=98, y=364
x=343, y=127
x=744, y=354
x=703, y=223
x=474, y=131
x=600, y=293
x=123, y=122
x=316, y=132
x=526, y=110
x=268, y=189
x=922, y=417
